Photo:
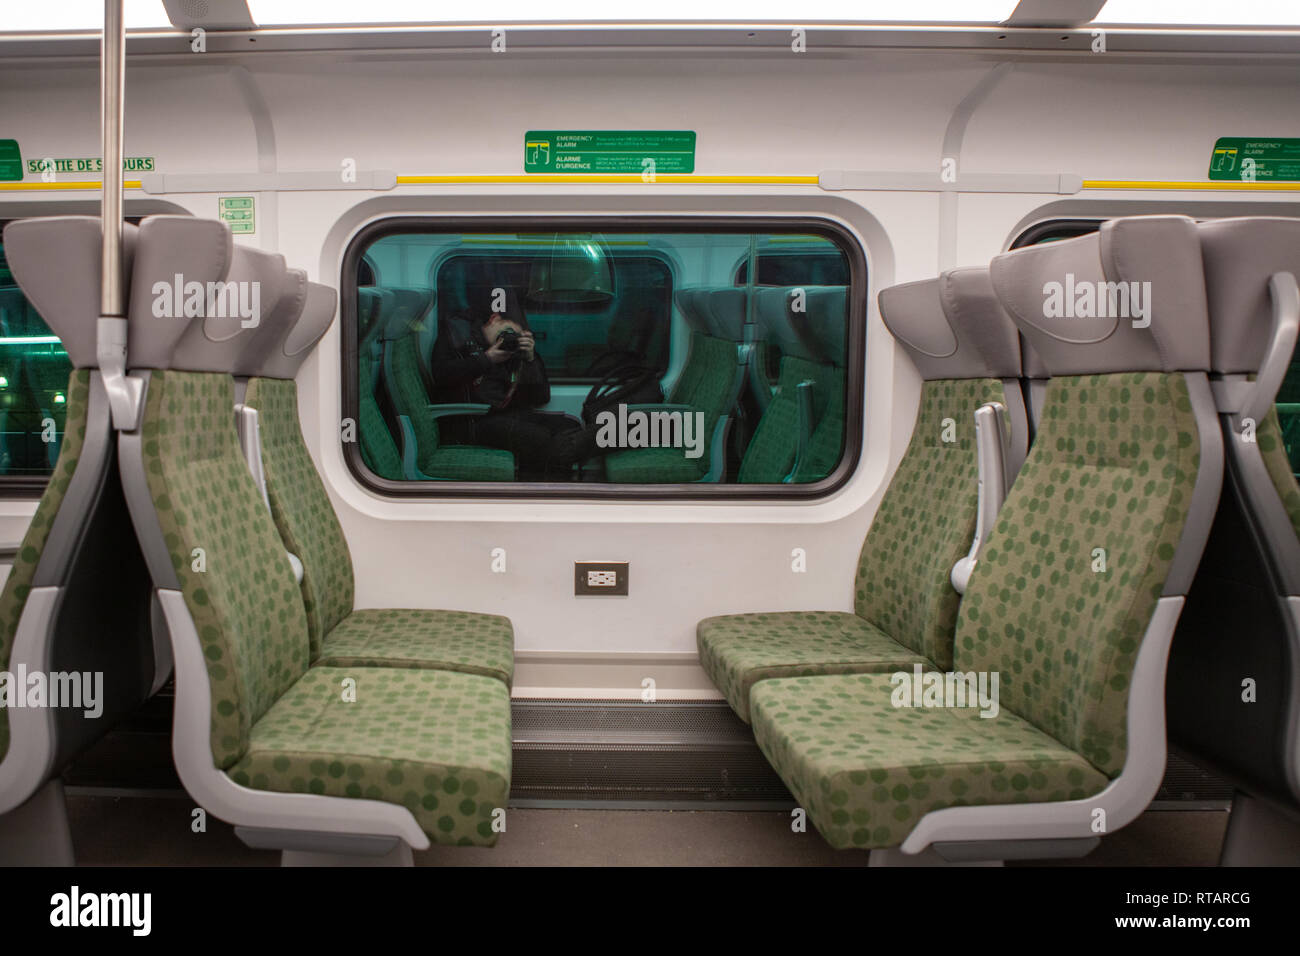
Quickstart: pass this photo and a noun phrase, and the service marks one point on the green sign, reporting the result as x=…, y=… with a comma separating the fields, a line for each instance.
x=645, y=152
x=11, y=161
x=1253, y=159
x=237, y=212
x=89, y=164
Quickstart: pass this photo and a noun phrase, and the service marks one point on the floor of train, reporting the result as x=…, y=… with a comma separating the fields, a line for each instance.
x=155, y=830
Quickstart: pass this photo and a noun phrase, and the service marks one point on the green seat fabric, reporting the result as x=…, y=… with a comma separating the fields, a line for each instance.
x=738, y=650
x=827, y=444
x=1112, y=467
x=706, y=384
x=454, y=640
x=771, y=452
x=229, y=562
x=1273, y=451
x=866, y=771
x=416, y=637
x=275, y=723
x=902, y=589
x=18, y=584
x=436, y=743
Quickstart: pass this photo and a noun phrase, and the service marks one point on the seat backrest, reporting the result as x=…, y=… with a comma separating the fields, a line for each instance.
x=405, y=379
x=378, y=448
x=1105, y=523
x=92, y=610
x=964, y=347
x=198, y=512
x=1243, y=611
x=811, y=339
x=299, y=503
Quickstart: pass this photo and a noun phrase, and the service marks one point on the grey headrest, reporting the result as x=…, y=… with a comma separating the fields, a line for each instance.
x=1240, y=255
x=368, y=302
x=56, y=261
x=784, y=324
x=262, y=342
x=952, y=327
x=317, y=315
x=199, y=251
x=726, y=310
x=692, y=305
x=1077, y=300
x=408, y=308
x=249, y=296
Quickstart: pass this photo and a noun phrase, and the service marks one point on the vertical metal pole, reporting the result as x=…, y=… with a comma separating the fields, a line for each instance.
x=125, y=393
x=112, y=62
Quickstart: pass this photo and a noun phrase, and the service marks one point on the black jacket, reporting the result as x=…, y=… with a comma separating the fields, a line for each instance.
x=462, y=372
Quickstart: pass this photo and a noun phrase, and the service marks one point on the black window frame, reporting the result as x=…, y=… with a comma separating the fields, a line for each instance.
x=859, y=279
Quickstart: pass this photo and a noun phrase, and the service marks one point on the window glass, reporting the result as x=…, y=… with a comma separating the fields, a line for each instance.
x=617, y=357
x=33, y=385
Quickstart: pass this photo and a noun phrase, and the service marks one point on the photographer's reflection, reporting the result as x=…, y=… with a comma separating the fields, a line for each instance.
x=490, y=357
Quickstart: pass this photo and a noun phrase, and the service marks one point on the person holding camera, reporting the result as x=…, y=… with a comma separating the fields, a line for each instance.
x=490, y=357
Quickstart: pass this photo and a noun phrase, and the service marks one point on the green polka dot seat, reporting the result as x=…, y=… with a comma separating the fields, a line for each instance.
x=1072, y=603
x=904, y=604
x=294, y=755
x=340, y=634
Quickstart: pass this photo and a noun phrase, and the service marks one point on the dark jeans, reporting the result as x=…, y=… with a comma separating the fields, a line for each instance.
x=543, y=449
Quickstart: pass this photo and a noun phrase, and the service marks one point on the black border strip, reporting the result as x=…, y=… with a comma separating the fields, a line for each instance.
x=857, y=330
x=1056, y=229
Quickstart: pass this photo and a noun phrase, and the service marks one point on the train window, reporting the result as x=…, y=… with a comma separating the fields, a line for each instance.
x=584, y=361
x=1288, y=396
x=33, y=385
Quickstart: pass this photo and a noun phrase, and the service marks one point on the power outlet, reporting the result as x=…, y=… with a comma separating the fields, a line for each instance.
x=600, y=577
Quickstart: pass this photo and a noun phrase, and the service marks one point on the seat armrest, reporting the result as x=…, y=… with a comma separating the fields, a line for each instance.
x=991, y=436
x=458, y=408
x=803, y=397
x=410, y=451
x=717, y=451
x=248, y=428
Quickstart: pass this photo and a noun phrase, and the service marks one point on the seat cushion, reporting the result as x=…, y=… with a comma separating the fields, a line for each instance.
x=866, y=771
x=655, y=466
x=435, y=742
x=407, y=637
x=738, y=650
x=468, y=463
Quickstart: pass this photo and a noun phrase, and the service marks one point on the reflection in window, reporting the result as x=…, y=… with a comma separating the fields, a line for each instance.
x=612, y=357
x=33, y=385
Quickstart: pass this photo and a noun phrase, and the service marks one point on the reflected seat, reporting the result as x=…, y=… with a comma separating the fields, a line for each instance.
x=709, y=385
x=408, y=386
